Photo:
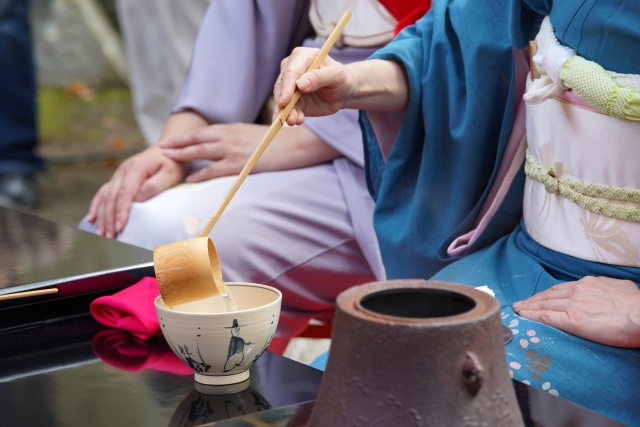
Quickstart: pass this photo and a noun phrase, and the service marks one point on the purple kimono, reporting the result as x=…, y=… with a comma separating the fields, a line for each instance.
x=309, y=231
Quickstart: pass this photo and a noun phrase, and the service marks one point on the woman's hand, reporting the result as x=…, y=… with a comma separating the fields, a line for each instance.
x=138, y=178
x=600, y=309
x=231, y=145
x=141, y=177
x=368, y=85
x=326, y=89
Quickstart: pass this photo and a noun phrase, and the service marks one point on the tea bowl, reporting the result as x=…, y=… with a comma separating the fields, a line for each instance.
x=220, y=345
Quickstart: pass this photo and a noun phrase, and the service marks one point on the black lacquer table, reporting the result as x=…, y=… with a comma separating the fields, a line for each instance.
x=60, y=368
x=51, y=376
x=540, y=409
x=38, y=254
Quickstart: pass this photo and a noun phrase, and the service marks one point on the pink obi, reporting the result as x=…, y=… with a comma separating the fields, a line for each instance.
x=581, y=144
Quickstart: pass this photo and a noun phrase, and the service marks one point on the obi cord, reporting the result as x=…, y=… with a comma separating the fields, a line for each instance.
x=586, y=194
x=614, y=94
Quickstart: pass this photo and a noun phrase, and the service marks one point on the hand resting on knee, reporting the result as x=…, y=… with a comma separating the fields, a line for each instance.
x=141, y=177
x=600, y=309
x=187, y=137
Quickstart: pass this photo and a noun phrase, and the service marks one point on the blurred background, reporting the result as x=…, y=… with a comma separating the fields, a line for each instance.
x=86, y=124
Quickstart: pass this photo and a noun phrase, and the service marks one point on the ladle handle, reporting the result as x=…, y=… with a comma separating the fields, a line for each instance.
x=275, y=126
x=29, y=294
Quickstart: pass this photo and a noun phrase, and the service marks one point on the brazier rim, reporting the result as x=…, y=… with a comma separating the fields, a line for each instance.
x=485, y=304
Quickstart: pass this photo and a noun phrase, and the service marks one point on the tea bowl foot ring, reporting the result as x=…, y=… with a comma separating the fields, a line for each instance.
x=222, y=379
x=219, y=390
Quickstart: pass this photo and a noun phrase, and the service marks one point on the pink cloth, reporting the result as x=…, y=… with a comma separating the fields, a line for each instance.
x=511, y=163
x=572, y=98
x=123, y=351
x=130, y=309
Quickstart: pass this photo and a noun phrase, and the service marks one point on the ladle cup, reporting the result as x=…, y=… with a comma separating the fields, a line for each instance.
x=188, y=270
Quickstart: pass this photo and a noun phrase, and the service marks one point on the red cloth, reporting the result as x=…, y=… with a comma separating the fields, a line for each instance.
x=406, y=12
x=131, y=309
x=122, y=350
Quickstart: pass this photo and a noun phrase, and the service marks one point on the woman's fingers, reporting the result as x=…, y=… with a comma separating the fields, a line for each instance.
x=557, y=319
x=101, y=206
x=128, y=191
x=120, y=197
x=106, y=216
x=296, y=117
x=121, y=208
x=165, y=178
x=199, y=136
x=100, y=219
x=92, y=215
x=563, y=290
x=561, y=304
x=314, y=80
x=297, y=65
x=200, y=151
x=119, y=192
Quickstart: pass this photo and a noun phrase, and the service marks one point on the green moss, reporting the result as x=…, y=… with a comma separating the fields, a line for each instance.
x=91, y=135
x=113, y=95
x=68, y=124
x=54, y=109
x=61, y=114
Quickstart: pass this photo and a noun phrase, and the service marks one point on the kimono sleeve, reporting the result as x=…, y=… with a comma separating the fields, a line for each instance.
x=237, y=54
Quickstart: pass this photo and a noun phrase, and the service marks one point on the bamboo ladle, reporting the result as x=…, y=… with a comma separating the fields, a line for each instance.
x=189, y=270
x=29, y=294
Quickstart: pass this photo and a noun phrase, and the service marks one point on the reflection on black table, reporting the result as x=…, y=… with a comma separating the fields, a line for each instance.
x=51, y=377
x=34, y=250
x=539, y=409
x=201, y=408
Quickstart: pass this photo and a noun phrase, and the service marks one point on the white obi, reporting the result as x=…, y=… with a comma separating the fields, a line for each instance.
x=582, y=144
x=370, y=25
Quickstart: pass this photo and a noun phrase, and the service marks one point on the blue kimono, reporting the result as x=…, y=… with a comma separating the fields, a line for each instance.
x=460, y=63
